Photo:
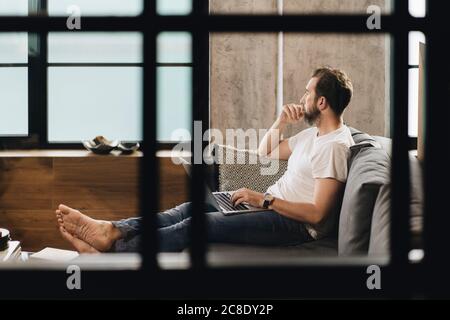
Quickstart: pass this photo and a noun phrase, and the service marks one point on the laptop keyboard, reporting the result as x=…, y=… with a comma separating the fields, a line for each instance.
x=224, y=200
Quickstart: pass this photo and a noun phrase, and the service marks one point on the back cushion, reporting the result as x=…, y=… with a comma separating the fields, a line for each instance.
x=369, y=170
x=381, y=220
x=243, y=168
x=362, y=138
x=417, y=197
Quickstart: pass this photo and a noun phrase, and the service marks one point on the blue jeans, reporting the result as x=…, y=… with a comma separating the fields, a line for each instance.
x=256, y=228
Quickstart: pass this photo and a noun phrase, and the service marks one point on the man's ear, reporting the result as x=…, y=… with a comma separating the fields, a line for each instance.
x=322, y=103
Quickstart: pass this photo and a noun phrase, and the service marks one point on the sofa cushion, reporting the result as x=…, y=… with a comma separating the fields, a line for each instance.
x=385, y=143
x=417, y=197
x=380, y=230
x=369, y=170
x=322, y=247
x=381, y=220
x=244, y=169
x=361, y=139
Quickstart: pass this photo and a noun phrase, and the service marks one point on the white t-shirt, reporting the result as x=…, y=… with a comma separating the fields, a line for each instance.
x=314, y=157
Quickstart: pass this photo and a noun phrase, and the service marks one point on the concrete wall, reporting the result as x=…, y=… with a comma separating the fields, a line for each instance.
x=333, y=6
x=244, y=67
x=243, y=71
x=363, y=57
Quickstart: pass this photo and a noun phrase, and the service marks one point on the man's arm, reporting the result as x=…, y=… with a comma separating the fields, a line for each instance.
x=271, y=145
x=326, y=196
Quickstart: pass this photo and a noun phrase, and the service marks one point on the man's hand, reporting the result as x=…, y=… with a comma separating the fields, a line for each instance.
x=253, y=198
x=292, y=113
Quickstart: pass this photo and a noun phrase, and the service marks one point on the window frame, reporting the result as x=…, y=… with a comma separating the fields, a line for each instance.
x=38, y=65
x=345, y=280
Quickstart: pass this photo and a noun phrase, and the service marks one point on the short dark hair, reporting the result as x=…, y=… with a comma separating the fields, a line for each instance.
x=335, y=86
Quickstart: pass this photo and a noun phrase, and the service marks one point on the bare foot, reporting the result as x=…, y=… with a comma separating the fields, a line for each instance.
x=99, y=234
x=79, y=245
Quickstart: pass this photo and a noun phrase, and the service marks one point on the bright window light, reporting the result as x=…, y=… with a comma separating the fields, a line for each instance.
x=414, y=39
x=97, y=7
x=413, y=102
x=417, y=8
x=93, y=47
x=174, y=7
x=84, y=102
x=13, y=7
x=174, y=47
x=14, y=101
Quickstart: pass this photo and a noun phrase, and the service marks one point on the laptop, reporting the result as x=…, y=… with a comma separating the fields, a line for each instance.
x=222, y=200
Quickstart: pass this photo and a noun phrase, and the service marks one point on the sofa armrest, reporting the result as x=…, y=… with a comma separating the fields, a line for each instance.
x=239, y=168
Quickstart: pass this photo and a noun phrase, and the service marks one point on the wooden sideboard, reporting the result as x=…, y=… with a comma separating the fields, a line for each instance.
x=34, y=183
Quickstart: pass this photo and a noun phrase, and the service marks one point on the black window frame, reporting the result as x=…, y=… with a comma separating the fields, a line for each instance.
x=347, y=278
x=38, y=65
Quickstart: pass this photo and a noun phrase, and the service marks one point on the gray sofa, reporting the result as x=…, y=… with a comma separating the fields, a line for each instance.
x=363, y=224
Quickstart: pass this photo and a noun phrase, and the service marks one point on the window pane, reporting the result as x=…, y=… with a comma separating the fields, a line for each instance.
x=13, y=47
x=95, y=47
x=413, y=102
x=13, y=101
x=96, y=7
x=174, y=47
x=417, y=8
x=175, y=7
x=87, y=102
x=415, y=37
x=174, y=103
x=13, y=7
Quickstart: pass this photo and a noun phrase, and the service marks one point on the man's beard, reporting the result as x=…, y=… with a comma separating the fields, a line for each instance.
x=312, y=116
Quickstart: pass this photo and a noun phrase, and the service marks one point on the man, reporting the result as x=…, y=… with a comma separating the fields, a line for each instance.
x=304, y=202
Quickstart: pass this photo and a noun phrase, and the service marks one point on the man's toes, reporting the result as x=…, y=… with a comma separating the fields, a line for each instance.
x=69, y=226
x=65, y=209
x=59, y=218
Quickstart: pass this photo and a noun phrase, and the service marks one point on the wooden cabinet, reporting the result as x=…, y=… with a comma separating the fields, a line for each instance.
x=34, y=183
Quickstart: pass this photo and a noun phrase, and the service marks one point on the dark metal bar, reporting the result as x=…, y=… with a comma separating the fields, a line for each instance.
x=412, y=143
x=200, y=114
x=343, y=281
x=173, y=64
x=149, y=178
x=94, y=64
x=217, y=23
x=13, y=65
x=437, y=158
x=37, y=79
x=111, y=64
x=43, y=39
x=400, y=193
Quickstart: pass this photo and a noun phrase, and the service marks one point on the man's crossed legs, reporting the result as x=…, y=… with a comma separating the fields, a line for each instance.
x=267, y=228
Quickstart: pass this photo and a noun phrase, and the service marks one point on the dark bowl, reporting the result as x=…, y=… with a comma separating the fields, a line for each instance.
x=128, y=147
x=100, y=148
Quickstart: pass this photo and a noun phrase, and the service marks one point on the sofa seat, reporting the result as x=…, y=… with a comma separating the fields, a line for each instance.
x=323, y=247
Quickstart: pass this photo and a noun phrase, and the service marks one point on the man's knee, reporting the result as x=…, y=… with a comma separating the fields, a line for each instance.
x=184, y=207
x=188, y=207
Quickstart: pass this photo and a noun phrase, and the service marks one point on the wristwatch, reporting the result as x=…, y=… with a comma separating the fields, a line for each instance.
x=268, y=199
